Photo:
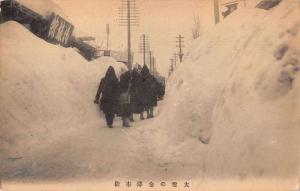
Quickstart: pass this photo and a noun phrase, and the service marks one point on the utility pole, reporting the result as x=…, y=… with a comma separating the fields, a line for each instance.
x=216, y=11
x=171, y=67
x=154, y=65
x=150, y=61
x=107, y=32
x=128, y=17
x=175, y=60
x=180, y=46
x=144, y=46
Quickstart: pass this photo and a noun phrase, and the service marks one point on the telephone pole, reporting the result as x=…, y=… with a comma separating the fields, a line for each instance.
x=175, y=59
x=171, y=67
x=150, y=61
x=180, y=46
x=144, y=46
x=107, y=32
x=216, y=11
x=154, y=65
x=128, y=17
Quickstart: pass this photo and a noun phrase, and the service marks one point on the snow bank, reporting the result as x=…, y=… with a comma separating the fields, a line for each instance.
x=232, y=107
x=47, y=92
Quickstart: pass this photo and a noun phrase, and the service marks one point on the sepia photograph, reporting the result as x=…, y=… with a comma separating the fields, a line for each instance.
x=149, y=95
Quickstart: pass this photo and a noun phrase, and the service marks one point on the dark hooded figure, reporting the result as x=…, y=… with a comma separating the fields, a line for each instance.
x=125, y=98
x=109, y=88
x=137, y=93
x=149, y=91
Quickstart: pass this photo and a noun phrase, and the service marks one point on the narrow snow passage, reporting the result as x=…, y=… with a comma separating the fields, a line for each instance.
x=231, y=110
x=99, y=148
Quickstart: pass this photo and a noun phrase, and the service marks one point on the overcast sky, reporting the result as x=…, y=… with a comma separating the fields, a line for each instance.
x=161, y=20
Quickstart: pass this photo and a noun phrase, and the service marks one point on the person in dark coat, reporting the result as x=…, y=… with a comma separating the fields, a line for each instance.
x=149, y=91
x=109, y=88
x=125, y=98
x=137, y=93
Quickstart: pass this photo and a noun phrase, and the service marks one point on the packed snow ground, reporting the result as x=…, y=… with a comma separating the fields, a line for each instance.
x=231, y=111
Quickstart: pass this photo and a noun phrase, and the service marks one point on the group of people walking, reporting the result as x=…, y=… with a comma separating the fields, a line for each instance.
x=137, y=92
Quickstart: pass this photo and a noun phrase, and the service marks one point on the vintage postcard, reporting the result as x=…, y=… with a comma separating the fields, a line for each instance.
x=155, y=95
